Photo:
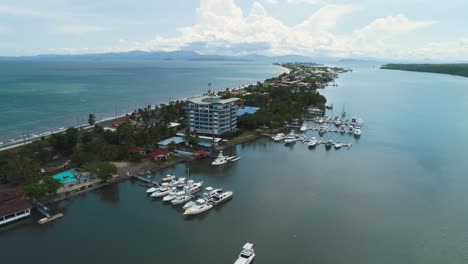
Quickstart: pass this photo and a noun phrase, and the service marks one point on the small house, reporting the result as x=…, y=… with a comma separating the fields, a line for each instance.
x=160, y=154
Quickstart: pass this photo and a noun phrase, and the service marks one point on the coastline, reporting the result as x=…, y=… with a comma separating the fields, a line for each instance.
x=18, y=142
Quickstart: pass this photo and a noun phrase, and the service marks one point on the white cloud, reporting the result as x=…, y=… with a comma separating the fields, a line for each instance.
x=19, y=11
x=309, y=2
x=272, y=2
x=76, y=29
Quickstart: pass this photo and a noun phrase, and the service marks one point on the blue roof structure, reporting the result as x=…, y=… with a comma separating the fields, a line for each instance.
x=168, y=141
x=247, y=110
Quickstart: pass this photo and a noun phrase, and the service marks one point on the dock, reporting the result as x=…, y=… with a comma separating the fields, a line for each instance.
x=43, y=209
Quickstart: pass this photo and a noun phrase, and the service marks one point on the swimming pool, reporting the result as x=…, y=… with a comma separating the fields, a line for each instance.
x=66, y=177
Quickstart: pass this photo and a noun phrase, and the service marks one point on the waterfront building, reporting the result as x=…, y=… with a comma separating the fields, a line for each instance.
x=13, y=206
x=211, y=115
x=160, y=154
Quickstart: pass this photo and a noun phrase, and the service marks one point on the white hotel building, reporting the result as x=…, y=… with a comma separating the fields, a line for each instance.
x=211, y=115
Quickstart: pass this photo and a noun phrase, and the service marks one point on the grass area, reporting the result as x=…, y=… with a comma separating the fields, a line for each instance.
x=452, y=69
x=169, y=160
x=243, y=137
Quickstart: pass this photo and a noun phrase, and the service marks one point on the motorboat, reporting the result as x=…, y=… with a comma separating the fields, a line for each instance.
x=357, y=132
x=247, y=254
x=360, y=122
x=152, y=189
x=200, y=206
x=234, y=158
x=180, y=182
x=320, y=121
x=290, y=138
x=220, y=160
x=337, y=122
x=342, y=129
x=304, y=127
x=351, y=129
x=328, y=144
x=168, y=178
x=279, y=137
x=338, y=145
x=312, y=142
x=219, y=198
x=323, y=129
x=206, y=195
x=192, y=187
x=181, y=199
x=172, y=195
x=163, y=191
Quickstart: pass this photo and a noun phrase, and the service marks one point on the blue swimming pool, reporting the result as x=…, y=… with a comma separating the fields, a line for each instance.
x=66, y=177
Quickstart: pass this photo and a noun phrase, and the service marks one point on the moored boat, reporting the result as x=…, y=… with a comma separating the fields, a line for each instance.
x=200, y=206
x=247, y=254
x=218, y=198
x=312, y=142
x=220, y=160
x=328, y=144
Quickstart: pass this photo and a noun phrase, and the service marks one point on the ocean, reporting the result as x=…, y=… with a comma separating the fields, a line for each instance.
x=37, y=97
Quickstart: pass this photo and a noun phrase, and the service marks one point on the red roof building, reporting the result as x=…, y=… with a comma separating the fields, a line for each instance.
x=160, y=154
x=137, y=150
x=13, y=205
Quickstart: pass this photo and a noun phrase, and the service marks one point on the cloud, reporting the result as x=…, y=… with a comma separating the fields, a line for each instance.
x=309, y=2
x=76, y=29
x=19, y=11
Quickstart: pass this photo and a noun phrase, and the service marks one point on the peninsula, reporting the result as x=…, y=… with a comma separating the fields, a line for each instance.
x=451, y=69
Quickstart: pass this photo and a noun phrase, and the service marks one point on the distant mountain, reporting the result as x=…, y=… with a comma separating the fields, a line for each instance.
x=158, y=55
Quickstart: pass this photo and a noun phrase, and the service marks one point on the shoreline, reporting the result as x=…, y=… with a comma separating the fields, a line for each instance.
x=18, y=142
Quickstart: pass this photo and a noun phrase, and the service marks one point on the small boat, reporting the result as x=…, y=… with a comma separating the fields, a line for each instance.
x=328, y=144
x=304, y=127
x=312, y=142
x=200, y=206
x=320, y=121
x=152, y=190
x=220, y=160
x=172, y=195
x=168, y=178
x=178, y=183
x=338, y=145
x=351, y=129
x=290, y=139
x=192, y=187
x=247, y=254
x=360, y=122
x=279, y=137
x=342, y=129
x=181, y=199
x=338, y=122
x=323, y=129
x=357, y=132
x=219, y=198
x=206, y=195
x=163, y=191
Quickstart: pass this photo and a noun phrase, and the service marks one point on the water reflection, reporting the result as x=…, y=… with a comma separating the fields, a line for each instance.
x=110, y=194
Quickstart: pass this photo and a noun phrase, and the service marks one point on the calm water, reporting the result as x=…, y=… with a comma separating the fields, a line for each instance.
x=41, y=96
x=399, y=195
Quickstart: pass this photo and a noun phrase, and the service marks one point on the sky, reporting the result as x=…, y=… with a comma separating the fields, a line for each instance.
x=387, y=29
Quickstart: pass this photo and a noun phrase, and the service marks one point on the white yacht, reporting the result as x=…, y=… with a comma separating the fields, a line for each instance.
x=357, y=132
x=162, y=191
x=351, y=129
x=338, y=122
x=207, y=194
x=290, y=138
x=200, y=206
x=247, y=254
x=192, y=187
x=168, y=178
x=338, y=145
x=152, y=189
x=181, y=199
x=304, y=127
x=312, y=142
x=172, y=195
x=278, y=137
x=328, y=144
x=220, y=160
x=219, y=198
x=178, y=183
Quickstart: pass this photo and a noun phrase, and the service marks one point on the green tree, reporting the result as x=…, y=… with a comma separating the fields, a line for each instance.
x=21, y=169
x=105, y=170
x=91, y=119
x=36, y=190
x=52, y=184
x=126, y=134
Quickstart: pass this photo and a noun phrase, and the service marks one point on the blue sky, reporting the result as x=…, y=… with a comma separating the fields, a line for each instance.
x=415, y=29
